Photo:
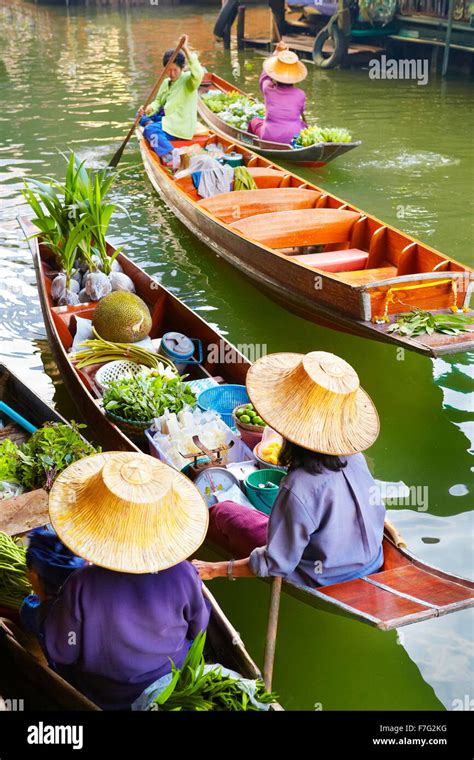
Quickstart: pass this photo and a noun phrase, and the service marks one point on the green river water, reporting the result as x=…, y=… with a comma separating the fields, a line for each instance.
x=73, y=79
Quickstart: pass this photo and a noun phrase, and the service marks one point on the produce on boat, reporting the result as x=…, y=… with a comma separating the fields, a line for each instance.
x=380, y=600
x=198, y=686
x=122, y=317
x=227, y=111
x=323, y=259
x=14, y=585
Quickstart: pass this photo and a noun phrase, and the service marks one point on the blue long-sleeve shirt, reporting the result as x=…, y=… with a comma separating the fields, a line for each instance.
x=324, y=528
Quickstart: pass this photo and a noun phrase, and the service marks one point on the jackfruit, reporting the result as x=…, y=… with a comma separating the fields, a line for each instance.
x=122, y=317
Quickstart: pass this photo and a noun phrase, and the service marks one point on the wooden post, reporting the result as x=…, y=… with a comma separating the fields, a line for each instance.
x=272, y=628
x=447, y=43
x=226, y=32
x=241, y=27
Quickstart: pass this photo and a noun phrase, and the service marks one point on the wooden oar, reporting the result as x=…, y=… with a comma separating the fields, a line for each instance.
x=272, y=628
x=118, y=155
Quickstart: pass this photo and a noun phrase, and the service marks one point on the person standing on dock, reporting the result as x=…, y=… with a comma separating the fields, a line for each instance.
x=327, y=523
x=284, y=103
x=173, y=113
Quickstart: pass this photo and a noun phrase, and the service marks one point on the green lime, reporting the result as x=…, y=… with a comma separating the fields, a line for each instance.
x=258, y=421
x=245, y=419
x=239, y=412
x=249, y=406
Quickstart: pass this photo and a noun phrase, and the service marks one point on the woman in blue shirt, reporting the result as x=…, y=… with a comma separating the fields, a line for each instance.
x=327, y=523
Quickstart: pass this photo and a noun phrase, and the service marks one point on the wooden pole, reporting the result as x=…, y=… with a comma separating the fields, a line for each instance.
x=447, y=42
x=241, y=27
x=272, y=629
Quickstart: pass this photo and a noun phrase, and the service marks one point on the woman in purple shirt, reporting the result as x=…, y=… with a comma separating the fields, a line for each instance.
x=326, y=525
x=115, y=624
x=284, y=103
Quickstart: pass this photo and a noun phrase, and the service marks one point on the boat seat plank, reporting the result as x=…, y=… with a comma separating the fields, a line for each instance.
x=373, y=600
x=284, y=229
x=335, y=261
x=424, y=586
x=240, y=204
x=364, y=276
x=264, y=177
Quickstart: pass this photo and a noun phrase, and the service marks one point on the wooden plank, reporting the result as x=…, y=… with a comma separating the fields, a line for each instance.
x=24, y=512
x=424, y=586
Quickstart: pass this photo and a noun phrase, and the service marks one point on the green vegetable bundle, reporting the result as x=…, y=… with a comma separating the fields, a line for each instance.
x=100, y=351
x=14, y=584
x=314, y=135
x=233, y=107
x=36, y=463
x=421, y=322
x=197, y=688
x=143, y=397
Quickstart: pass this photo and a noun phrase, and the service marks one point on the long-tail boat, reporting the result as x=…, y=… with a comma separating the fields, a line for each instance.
x=320, y=257
x=404, y=591
x=315, y=155
x=24, y=670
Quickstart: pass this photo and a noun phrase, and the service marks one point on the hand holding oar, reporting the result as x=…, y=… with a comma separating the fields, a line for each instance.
x=118, y=155
x=272, y=628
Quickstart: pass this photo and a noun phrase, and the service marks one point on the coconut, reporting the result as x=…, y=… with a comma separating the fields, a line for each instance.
x=121, y=281
x=77, y=277
x=68, y=299
x=116, y=266
x=97, y=285
x=58, y=287
x=83, y=297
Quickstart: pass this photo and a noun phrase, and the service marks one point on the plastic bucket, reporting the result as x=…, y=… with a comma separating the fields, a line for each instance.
x=263, y=498
x=181, y=349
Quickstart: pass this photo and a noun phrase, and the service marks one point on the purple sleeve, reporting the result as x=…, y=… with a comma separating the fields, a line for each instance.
x=63, y=624
x=289, y=531
x=197, y=610
x=264, y=81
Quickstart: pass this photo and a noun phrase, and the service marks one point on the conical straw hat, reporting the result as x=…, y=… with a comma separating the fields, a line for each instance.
x=128, y=512
x=285, y=67
x=314, y=400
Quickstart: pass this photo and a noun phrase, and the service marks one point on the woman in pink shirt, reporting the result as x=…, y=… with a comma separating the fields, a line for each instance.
x=284, y=103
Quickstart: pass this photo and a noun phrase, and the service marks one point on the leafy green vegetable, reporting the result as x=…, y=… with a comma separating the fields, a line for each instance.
x=192, y=687
x=9, y=461
x=37, y=463
x=243, y=180
x=146, y=396
x=14, y=584
x=49, y=451
x=233, y=107
x=315, y=134
x=420, y=322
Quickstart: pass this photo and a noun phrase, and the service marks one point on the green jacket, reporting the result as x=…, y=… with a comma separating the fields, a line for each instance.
x=179, y=101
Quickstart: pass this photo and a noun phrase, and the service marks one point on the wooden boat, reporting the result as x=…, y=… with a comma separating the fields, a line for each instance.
x=366, y=274
x=25, y=674
x=404, y=591
x=24, y=671
x=313, y=155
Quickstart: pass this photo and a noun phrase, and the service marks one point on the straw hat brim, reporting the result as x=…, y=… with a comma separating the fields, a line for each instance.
x=286, y=410
x=290, y=73
x=162, y=528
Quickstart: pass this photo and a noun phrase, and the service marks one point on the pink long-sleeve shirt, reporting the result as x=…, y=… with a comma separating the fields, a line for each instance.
x=284, y=111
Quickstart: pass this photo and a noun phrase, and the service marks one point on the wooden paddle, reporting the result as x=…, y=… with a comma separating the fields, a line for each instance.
x=118, y=155
x=272, y=628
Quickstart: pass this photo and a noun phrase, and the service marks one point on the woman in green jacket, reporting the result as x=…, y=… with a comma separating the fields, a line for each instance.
x=173, y=113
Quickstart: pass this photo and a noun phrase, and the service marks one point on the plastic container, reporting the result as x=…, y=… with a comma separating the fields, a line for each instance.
x=233, y=159
x=264, y=498
x=239, y=454
x=223, y=399
x=181, y=350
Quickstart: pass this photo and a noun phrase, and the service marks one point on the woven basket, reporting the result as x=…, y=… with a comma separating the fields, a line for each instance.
x=223, y=399
x=132, y=428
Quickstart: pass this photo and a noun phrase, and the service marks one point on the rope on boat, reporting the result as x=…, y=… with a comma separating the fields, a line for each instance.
x=390, y=297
